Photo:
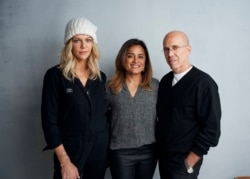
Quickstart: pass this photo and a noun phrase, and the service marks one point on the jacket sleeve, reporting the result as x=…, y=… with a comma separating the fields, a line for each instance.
x=49, y=109
x=209, y=116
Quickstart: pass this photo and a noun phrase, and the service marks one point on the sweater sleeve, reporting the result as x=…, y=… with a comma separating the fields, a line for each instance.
x=209, y=116
x=49, y=109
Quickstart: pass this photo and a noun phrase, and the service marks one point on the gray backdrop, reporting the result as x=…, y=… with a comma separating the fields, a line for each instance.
x=31, y=36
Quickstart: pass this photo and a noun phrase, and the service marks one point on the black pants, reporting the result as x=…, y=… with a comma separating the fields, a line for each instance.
x=172, y=166
x=136, y=163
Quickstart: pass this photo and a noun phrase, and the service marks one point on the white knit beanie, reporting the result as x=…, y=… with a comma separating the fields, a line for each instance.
x=80, y=25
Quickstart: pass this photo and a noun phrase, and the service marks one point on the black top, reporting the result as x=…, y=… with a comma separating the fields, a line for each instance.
x=189, y=113
x=72, y=113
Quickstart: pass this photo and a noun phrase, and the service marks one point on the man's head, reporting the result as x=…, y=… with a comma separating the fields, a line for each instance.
x=177, y=50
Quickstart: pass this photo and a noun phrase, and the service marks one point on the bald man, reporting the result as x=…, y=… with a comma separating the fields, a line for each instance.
x=189, y=112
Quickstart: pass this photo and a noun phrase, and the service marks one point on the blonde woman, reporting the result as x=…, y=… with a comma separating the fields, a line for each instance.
x=73, y=106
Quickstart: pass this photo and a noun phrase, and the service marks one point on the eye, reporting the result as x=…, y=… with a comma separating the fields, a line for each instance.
x=75, y=40
x=166, y=50
x=175, y=47
x=129, y=56
x=89, y=40
x=141, y=57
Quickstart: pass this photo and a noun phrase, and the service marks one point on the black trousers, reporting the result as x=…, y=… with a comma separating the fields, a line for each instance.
x=172, y=166
x=136, y=163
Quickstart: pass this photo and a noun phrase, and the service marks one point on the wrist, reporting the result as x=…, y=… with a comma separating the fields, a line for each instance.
x=189, y=168
x=63, y=158
x=64, y=162
x=192, y=159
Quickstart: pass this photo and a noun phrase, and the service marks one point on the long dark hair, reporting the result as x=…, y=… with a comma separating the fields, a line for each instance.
x=117, y=80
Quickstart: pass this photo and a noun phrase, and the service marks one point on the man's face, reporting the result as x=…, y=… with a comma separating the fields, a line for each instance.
x=176, y=51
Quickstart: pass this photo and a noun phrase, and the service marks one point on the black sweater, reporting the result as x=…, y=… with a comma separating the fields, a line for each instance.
x=189, y=113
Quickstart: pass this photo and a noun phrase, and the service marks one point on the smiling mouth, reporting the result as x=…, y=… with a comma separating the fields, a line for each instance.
x=135, y=66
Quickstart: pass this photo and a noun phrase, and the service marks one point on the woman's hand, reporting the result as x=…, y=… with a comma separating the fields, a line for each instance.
x=69, y=170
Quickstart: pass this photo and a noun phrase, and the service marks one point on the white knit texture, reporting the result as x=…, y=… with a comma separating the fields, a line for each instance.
x=80, y=25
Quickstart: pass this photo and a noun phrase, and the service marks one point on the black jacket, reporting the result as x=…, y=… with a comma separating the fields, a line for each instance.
x=71, y=113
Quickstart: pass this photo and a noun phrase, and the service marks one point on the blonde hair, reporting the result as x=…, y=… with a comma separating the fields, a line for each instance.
x=118, y=79
x=68, y=62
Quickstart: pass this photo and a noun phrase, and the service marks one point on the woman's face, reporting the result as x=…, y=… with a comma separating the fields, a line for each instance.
x=135, y=60
x=81, y=46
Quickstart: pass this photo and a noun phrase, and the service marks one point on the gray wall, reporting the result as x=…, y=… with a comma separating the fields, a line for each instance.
x=31, y=36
